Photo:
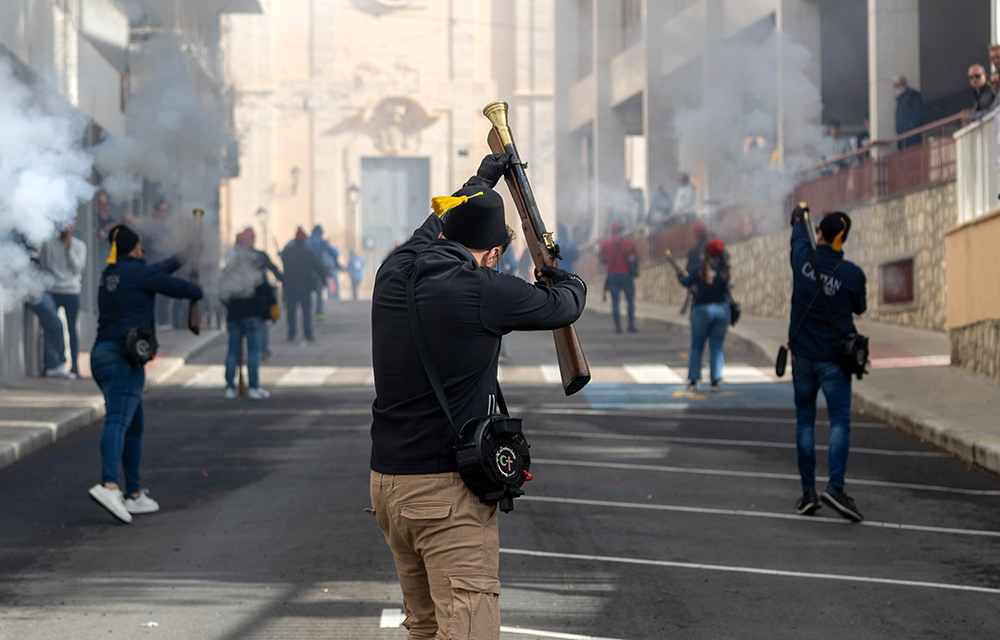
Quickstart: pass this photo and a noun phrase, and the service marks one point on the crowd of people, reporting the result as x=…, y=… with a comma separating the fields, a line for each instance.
x=910, y=112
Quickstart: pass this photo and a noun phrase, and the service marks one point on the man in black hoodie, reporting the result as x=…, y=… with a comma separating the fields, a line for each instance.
x=444, y=540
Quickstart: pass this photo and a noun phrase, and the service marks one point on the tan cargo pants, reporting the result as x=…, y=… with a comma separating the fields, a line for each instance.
x=447, y=550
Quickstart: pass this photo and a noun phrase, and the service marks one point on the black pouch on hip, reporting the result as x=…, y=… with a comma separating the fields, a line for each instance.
x=781, y=361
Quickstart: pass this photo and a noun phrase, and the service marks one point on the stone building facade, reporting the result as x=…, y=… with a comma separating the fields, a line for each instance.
x=907, y=227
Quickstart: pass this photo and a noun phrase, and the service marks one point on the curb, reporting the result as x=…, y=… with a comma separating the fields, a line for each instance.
x=27, y=437
x=984, y=453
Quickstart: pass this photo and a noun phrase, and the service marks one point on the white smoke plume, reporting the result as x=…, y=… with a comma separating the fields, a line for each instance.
x=43, y=178
x=733, y=132
x=176, y=135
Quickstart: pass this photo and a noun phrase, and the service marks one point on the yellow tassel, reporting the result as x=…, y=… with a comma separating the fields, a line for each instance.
x=113, y=256
x=443, y=204
x=838, y=240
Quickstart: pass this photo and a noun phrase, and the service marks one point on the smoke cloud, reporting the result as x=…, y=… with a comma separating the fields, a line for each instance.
x=43, y=178
x=733, y=132
x=175, y=140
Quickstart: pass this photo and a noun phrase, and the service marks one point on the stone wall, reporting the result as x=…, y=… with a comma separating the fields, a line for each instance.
x=977, y=347
x=904, y=226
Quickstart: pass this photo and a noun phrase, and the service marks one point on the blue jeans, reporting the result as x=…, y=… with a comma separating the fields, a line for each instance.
x=54, y=347
x=708, y=322
x=808, y=377
x=319, y=298
x=265, y=339
x=253, y=329
x=70, y=302
x=620, y=283
x=124, y=420
x=293, y=300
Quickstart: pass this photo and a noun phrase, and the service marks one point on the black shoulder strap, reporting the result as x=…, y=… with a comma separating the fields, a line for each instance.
x=822, y=292
x=423, y=351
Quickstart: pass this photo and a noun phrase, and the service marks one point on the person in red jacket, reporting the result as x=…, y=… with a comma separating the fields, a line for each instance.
x=619, y=254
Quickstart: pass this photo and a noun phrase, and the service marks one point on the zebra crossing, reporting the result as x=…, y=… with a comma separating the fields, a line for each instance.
x=213, y=376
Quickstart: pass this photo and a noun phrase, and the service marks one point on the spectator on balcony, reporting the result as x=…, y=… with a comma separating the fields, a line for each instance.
x=865, y=136
x=833, y=146
x=660, y=205
x=686, y=200
x=982, y=92
x=909, y=110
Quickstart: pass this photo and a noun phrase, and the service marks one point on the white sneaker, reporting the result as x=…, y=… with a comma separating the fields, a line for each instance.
x=230, y=394
x=60, y=373
x=111, y=499
x=142, y=504
x=258, y=394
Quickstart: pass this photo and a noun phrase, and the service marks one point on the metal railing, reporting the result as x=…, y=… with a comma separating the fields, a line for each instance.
x=917, y=158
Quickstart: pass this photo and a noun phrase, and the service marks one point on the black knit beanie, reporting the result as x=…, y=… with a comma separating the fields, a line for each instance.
x=123, y=240
x=477, y=222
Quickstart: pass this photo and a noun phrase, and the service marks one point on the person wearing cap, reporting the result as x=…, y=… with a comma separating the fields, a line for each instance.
x=125, y=300
x=710, y=315
x=814, y=353
x=302, y=271
x=445, y=542
x=618, y=253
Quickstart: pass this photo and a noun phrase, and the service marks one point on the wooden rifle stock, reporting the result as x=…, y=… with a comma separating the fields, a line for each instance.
x=194, y=310
x=573, y=366
x=673, y=263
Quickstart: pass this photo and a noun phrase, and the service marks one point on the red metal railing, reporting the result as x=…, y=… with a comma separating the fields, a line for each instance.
x=919, y=157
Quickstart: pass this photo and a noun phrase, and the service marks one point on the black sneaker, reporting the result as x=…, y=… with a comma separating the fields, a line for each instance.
x=808, y=504
x=842, y=502
x=692, y=386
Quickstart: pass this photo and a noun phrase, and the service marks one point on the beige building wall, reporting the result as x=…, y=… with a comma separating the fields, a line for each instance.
x=322, y=87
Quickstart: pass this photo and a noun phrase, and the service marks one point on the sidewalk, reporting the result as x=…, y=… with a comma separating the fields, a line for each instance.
x=35, y=412
x=912, y=388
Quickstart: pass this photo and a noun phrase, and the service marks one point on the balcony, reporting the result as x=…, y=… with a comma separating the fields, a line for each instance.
x=918, y=158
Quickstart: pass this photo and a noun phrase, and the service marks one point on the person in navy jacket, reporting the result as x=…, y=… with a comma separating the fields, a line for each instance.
x=126, y=299
x=814, y=352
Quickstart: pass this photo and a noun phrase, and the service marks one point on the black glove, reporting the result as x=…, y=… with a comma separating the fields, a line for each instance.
x=799, y=211
x=492, y=167
x=557, y=275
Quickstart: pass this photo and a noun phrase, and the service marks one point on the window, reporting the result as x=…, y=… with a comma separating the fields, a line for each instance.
x=896, y=280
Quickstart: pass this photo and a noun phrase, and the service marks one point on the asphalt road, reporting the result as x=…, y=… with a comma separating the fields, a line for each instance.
x=654, y=513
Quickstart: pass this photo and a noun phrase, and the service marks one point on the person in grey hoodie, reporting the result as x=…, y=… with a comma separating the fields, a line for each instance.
x=64, y=258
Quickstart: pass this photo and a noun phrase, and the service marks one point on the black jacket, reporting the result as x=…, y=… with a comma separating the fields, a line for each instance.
x=463, y=309
x=845, y=287
x=302, y=268
x=909, y=110
x=130, y=286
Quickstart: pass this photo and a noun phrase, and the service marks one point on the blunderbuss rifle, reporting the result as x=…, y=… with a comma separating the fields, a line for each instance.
x=682, y=273
x=544, y=251
x=194, y=310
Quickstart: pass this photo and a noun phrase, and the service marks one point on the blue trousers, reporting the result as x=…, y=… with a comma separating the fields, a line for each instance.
x=620, y=283
x=295, y=299
x=70, y=302
x=124, y=420
x=808, y=377
x=708, y=322
x=253, y=330
x=53, y=345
